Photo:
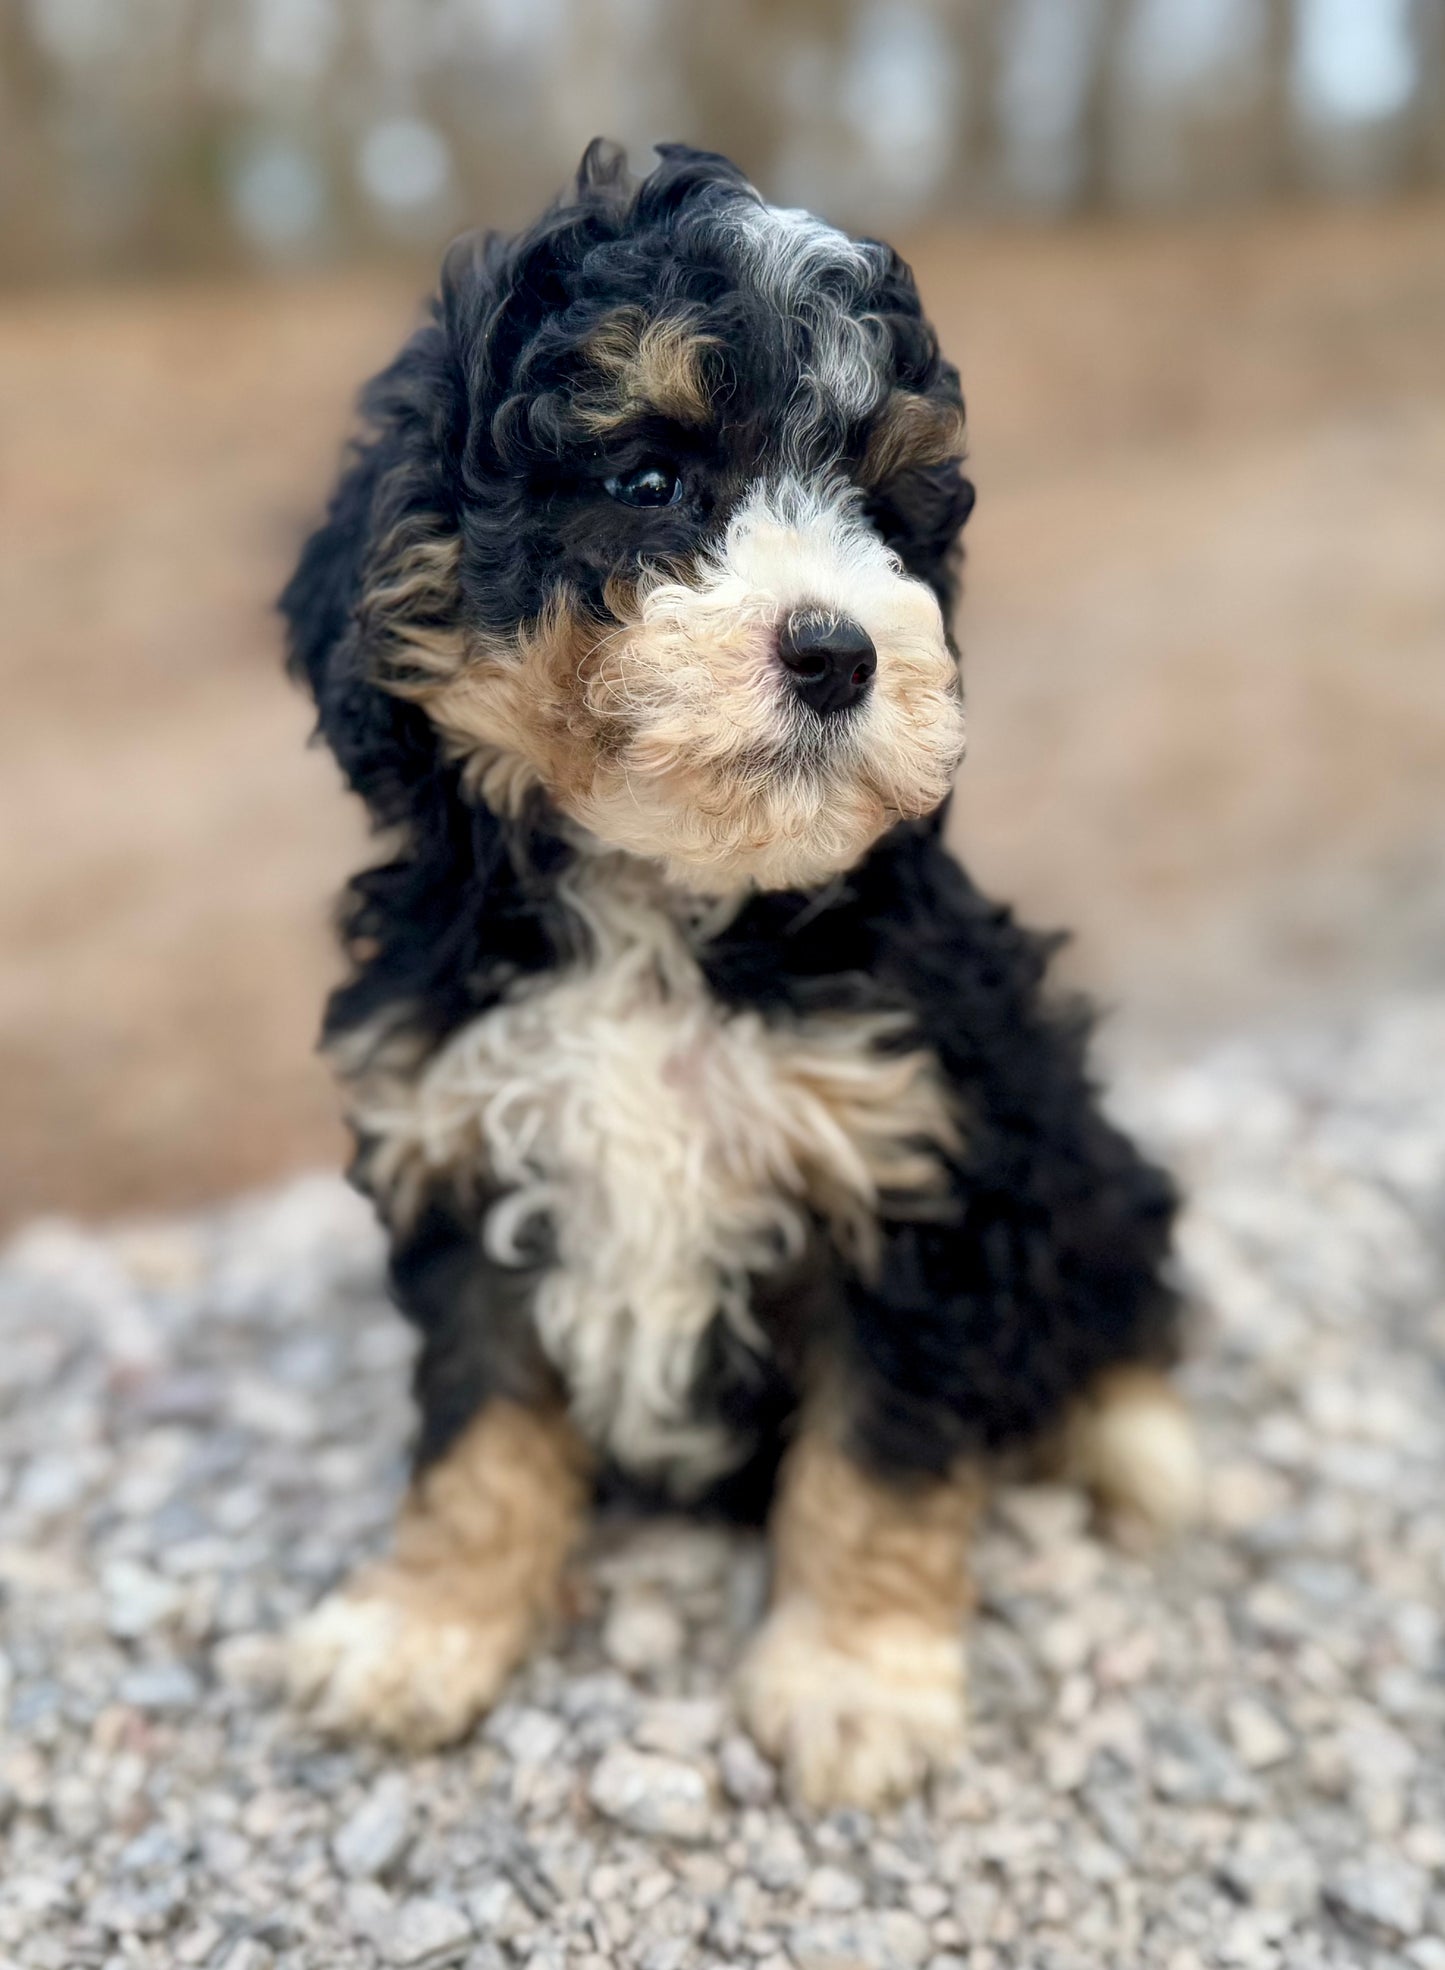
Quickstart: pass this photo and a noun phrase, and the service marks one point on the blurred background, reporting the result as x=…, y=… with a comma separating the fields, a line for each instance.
x=1189, y=254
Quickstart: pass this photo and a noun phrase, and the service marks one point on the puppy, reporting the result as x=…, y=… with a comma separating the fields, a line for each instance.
x=724, y=1140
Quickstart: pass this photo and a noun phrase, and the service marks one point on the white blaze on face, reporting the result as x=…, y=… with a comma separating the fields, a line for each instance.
x=723, y=774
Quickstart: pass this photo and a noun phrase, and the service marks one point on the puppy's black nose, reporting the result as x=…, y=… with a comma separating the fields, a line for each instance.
x=830, y=659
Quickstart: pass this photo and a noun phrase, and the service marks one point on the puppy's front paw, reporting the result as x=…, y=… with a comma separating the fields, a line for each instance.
x=385, y=1658
x=856, y=1725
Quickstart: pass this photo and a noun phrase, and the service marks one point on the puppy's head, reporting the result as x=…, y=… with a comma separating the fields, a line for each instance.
x=658, y=517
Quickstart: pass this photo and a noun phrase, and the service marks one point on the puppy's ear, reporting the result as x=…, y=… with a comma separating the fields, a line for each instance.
x=398, y=492
x=604, y=169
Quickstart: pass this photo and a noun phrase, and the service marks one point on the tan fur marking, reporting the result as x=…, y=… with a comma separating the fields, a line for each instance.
x=1131, y=1442
x=415, y=1648
x=409, y=612
x=862, y=1550
x=518, y=716
x=856, y=1681
x=642, y=366
x=517, y=713
x=911, y=432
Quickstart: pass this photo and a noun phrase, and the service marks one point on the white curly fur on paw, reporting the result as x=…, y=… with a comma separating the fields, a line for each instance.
x=1137, y=1450
x=856, y=1726
x=374, y=1660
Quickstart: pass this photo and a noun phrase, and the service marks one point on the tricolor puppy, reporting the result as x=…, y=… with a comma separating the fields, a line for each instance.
x=725, y=1142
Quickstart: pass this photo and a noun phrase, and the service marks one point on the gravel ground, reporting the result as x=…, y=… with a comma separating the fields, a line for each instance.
x=1232, y=1756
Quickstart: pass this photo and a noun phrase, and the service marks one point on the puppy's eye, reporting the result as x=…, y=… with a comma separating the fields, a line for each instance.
x=649, y=485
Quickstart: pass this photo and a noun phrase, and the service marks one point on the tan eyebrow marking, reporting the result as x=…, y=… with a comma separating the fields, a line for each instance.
x=640, y=365
x=912, y=431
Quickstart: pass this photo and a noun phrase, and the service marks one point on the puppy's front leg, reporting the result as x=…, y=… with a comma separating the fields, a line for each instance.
x=415, y=1648
x=855, y=1682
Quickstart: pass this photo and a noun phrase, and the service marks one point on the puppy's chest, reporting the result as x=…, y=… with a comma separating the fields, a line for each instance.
x=674, y=1150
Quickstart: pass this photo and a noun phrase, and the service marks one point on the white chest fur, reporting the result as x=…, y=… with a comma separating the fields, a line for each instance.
x=674, y=1146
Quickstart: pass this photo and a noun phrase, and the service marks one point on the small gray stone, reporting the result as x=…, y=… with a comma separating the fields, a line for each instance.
x=201, y=1943
x=903, y=1939
x=141, y=1910
x=51, y=1483
x=373, y=1839
x=1192, y=1767
x=159, y=1686
x=887, y=1939
x=1063, y=1644
x=498, y=1911
x=529, y=1736
x=1257, y=1734
x=642, y=1632
x=679, y=1727
x=246, y=1953
x=1112, y=1798
x=664, y=1953
x=603, y=1694
x=833, y=1890
x=1272, y=1868
x=422, y=1932
x=1381, y=1890
x=747, y=1776
x=550, y=1956
x=137, y=1600
x=928, y=1900
x=652, y=1795
x=152, y=1851
x=780, y=1860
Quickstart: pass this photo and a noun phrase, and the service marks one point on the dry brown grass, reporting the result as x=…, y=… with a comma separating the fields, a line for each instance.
x=1205, y=633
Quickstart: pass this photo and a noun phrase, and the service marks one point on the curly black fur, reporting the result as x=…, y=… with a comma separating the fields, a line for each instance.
x=978, y=1329
x=1047, y=1265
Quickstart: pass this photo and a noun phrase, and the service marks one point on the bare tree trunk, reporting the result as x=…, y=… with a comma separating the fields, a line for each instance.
x=1426, y=155
x=980, y=78
x=1096, y=117
x=28, y=183
x=1277, y=157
